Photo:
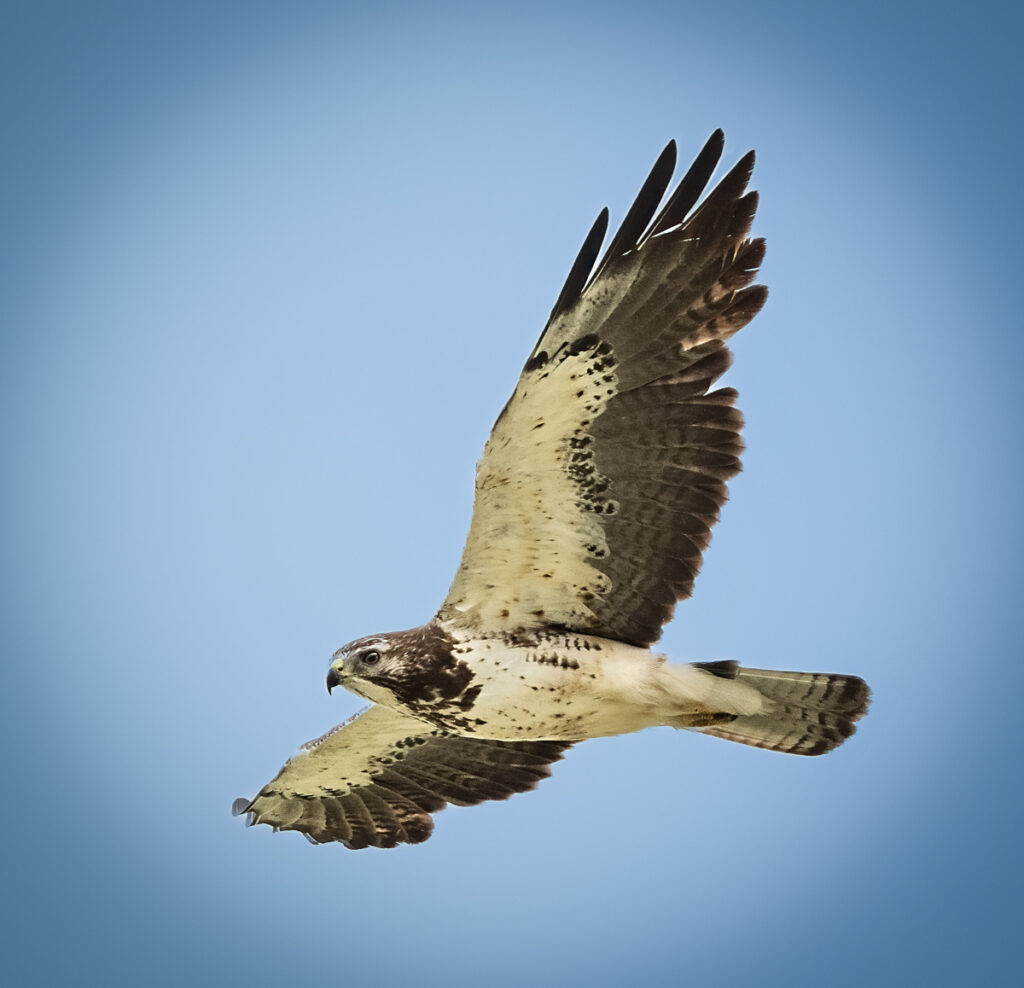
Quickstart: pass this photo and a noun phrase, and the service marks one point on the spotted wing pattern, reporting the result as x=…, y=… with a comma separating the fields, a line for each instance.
x=606, y=470
x=375, y=780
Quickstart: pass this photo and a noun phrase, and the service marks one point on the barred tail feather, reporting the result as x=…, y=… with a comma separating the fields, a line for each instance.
x=809, y=713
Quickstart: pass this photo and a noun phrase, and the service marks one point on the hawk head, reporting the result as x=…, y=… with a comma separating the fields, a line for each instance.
x=414, y=669
x=366, y=666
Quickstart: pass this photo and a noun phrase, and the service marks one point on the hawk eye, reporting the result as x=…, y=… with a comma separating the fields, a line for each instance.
x=371, y=657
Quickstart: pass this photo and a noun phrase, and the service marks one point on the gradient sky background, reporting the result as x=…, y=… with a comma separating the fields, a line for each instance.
x=268, y=274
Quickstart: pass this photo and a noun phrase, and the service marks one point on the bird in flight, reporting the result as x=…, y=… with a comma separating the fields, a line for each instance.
x=595, y=498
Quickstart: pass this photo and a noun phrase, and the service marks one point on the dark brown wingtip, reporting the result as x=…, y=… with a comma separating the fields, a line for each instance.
x=639, y=215
x=581, y=267
x=691, y=186
x=745, y=166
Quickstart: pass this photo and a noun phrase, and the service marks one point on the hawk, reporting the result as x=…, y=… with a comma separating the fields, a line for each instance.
x=595, y=499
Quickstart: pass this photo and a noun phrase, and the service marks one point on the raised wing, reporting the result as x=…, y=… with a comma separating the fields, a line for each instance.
x=605, y=471
x=375, y=780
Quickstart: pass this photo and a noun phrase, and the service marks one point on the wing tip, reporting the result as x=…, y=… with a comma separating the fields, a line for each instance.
x=667, y=158
x=640, y=222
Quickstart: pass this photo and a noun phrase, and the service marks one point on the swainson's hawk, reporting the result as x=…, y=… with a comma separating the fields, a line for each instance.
x=595, y=499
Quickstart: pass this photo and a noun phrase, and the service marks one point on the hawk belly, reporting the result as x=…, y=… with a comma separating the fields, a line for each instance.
x=552, y=686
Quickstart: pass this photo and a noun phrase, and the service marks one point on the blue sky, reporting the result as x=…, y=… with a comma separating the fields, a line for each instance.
x=268, y=276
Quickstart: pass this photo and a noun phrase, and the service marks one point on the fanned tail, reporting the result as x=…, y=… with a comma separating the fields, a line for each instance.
x=809, y=713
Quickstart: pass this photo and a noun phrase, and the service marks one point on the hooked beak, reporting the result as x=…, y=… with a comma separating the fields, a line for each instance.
x=333, y=679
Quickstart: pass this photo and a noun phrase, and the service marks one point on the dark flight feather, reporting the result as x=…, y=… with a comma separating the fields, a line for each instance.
x=692, y=184
x=579, y=273
x=639, y=216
